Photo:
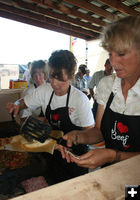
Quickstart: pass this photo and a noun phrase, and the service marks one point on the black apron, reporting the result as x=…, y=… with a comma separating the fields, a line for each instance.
x=121, y=132
x=60, y=170
x=41, y=112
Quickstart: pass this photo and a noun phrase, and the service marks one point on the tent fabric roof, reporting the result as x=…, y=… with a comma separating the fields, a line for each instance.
x=79, y=18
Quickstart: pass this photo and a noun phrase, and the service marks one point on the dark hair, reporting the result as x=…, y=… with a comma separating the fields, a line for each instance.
x=62, y=59
x=83, y=69
x=107, y=62
x=83, y=65
x=39, y=64
x=28, y=64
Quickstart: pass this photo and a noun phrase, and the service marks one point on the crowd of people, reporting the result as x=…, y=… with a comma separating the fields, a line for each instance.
x=62, y=102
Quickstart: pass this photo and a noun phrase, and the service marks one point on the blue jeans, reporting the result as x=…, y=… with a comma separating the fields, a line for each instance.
x=94, y=109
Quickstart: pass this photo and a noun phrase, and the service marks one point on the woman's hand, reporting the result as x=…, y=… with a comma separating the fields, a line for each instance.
x=63, y=149
x=13, y=108
x=72, y=138
x=95, y=158
x=44, y=119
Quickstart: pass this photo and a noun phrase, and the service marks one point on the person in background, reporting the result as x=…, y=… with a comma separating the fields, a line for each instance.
x=118, y=114
x=65, y=107
x=39, y=75
x=97, y=76
x=27, y=75
x=77, y=74
x=87, y=75
x=79, y=81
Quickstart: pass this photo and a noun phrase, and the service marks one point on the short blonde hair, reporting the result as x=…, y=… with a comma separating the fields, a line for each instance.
x=122, y=35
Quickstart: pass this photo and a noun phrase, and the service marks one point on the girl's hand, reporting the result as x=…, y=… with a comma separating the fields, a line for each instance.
x=72, y=138
x=44, y=119
x=63, y=149
x=13, y=108
x=95, y=158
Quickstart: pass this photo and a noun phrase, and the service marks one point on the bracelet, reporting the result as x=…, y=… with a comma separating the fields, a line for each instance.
x=76, y=139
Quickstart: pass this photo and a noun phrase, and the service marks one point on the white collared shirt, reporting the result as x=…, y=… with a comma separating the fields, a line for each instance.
x=113, y=84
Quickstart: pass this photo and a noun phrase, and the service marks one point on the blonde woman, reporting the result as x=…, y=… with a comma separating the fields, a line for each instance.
x=118, y=97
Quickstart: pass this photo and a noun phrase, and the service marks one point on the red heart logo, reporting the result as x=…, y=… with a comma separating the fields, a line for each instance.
x=122, y=128
x=55, y=117
x=127, y=146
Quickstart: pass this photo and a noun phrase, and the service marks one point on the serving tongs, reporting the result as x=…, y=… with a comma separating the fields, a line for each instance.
x=39, y=130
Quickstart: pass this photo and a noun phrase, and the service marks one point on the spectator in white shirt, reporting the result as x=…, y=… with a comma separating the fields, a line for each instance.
x=27, y=75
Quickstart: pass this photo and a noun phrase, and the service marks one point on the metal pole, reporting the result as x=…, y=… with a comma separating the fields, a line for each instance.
x=86, y=53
